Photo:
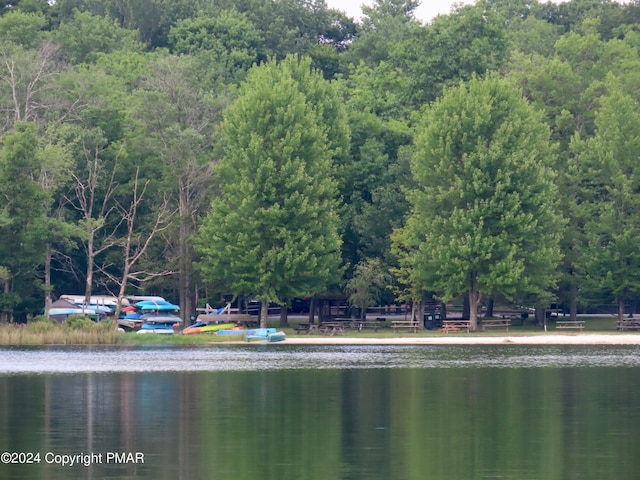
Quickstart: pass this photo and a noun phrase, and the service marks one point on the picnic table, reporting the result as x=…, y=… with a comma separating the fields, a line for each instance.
x=361, y=325
x=328, y=328
x=570, y=324
x=302, y=327
x=496, y=323
x=410, y=325
x=455, y=325
x=628, y=324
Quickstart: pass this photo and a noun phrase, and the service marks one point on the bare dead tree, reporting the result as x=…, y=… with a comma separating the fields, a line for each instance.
x=27, y=74
x=5, y=281
x=182, y=125
x=95, y=213
x=136, y=241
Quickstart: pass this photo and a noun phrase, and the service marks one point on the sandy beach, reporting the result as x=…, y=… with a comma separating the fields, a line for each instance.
x=455, y=339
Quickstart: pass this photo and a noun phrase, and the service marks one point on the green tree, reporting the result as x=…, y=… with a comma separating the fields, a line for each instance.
x=21, y=28
x=172, y=133
x=371, y=179
x=471, y=41
x=484, y=215
x=23, y=225
x=7, y=7
x=386, y=27
x=55, y=175
x=567, y=87
x=532, y=35
x=85, y=35
x=227, y=43
x=369, y=278
x=609, y=207
x=570, y=15
x=272, y=230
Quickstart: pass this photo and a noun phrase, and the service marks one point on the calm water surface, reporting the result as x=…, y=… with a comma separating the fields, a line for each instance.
x=324, y=413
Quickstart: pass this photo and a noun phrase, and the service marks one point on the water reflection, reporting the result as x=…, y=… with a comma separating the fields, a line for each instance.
x=370, y=413
x=270, y=357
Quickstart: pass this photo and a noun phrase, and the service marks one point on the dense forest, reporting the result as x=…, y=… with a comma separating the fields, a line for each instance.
x=279, y=149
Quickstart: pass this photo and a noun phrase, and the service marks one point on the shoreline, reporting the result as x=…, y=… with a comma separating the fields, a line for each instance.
x=456, y=339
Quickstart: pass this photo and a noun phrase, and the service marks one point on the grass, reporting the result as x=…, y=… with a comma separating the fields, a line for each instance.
x=80, y=331
x=132, y=338
x=605, y=325
x=43, y=332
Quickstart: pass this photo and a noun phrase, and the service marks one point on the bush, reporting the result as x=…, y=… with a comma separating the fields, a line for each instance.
x=41, y=324
x=78, y=321
x=106, y=325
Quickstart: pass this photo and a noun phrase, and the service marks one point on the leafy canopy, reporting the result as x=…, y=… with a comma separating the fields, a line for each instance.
x=272, y=230
x=483, y=219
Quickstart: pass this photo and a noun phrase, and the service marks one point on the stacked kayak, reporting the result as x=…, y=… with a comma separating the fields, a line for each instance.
x=147, y=306
x=204, y=327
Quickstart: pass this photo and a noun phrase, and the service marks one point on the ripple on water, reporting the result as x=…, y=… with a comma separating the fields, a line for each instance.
x=17, y=360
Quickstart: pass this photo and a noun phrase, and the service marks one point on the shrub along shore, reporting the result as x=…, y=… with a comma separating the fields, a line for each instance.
x=74, y=331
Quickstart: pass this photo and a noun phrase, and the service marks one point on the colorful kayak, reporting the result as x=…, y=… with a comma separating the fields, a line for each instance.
x=239, y=331
x=204, y=327
x=276, y=337
x=157, y=306
x=162, y=328
x=268, y=334
x=213, y=328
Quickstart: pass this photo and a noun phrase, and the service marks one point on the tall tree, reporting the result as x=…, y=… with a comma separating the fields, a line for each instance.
x=174, y=123
x=136, y=239
x=56, y=163
x=22, y=223
x=93, y=187
x=272, y=230
x=85, y=36
x=371, y=180
x=226, y=44
x=609, y=207
x=567, y=87
x=25, y=77
x=484, y=215
x=386, y=27
x=369, y=279
x=20, y=28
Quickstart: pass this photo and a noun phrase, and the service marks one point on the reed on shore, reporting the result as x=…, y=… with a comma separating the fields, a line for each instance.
x=76, y=330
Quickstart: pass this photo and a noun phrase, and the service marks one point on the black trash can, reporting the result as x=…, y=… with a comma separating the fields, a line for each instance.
x=429, y=321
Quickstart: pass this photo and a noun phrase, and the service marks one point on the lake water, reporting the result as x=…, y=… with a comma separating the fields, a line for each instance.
x=279, y=412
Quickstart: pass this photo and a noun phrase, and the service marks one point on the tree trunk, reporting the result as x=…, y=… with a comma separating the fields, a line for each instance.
x=264, y=310
x=312, y=310
x=123, y=287
x=417, y=310
x=185, y=272
x=89, y=279
x=474, y=303
x=541, y=316
x=443, y=311
x=573, y=299
x=284, y=318
x=185, y=291
x=620, y=310
x=5, y=315
x=466, y=308
x=489, y=308
x=47, y=281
